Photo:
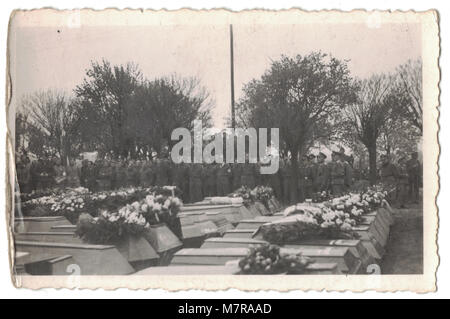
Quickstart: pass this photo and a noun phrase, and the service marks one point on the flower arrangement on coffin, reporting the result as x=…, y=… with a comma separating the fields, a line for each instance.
x=73, y=202
x=262, y=194
x=351, y=204
x=375, y=197
x=165, y=190
x=131, y=219
x=320, y=197
x=111, y=228
x=267, y=259
x=160, y=208
x=244, y=192
x=305, y=221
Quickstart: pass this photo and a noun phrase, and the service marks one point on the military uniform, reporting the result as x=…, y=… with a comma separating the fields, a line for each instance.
x=73, y=177
x=162, y=173
x=180, y=179
x=309, y=176
x=414, y=175
x=348, y=176
x=147, y=174
x=23, y=177
x=388, y=173
x=274, y=182
x=321, y=181
x=60, y=176
x=121, y=174
x=301, y=173
x=91, y=176
x=236, y=169
x=105, y=175
x=224, y=175
x=289, y=189
x=248, y=175
x=402, y=185
x=195, y=183
x=209, y=180
x=337, y=177
x=46, y=175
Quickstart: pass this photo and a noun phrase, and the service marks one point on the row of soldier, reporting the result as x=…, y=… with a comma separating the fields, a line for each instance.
x=293, y=183
x=196, y=181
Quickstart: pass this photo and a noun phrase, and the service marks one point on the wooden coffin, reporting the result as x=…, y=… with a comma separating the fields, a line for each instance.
x=92, y=259
x=346, y=261
x=64, y=228
x=51, y=237
x=162, y=239
x=239, y=233
x=356, y=247
x=368, y=240
x=312, y=269
x=231, y=242
x=138, y=252
x=38, y=224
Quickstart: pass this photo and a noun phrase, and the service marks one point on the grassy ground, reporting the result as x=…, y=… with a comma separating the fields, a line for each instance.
x=404, y=250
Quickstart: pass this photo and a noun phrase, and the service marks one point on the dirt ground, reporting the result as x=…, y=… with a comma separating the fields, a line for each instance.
x=404, y=250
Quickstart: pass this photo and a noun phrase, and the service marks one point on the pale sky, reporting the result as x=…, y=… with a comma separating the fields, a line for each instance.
x=45, y=58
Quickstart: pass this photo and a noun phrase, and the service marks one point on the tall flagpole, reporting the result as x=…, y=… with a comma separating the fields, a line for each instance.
x=233, y=120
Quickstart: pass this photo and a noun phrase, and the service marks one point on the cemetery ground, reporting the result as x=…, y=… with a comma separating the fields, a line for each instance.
x=404, y=250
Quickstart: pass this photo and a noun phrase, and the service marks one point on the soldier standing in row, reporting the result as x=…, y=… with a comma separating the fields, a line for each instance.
x=310, y=176
x=321, y=182
x=275, y=182
x=23, y=174
x=337, y=174
x=91, y=176
x=224, y=175
x=389, y=175
x=301, y=175
x=209, y=180
x=105, y=174
x=388, y=171
x=195, y=183
x=248, y=174
x=236, y=176
x=121, y=173
x=288, y=180
x=402, y=184
x=414, y=176
x=73, y=177
x=147, y=174
x=162, y=172
x=180, y=179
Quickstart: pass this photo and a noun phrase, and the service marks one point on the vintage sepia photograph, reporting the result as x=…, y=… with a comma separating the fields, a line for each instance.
x=150, y=146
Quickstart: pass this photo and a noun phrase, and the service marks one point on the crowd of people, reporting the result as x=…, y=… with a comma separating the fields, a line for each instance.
x=293, y=183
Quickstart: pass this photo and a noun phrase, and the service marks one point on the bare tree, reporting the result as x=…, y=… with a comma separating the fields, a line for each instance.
x=52, y=114
x=378, y=98
x=409, y=79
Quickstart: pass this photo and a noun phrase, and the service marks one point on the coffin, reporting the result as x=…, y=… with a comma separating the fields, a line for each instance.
x=227, y=269
x=138, y=252
x=231, y=242
x=163, y=241
x=92, y=259
x=356, y=247
x=64, y=228
x=346, y=261
x=239, y=233
x=38, y=224
x=368, y=240
x=27, y=264
x=51, y=237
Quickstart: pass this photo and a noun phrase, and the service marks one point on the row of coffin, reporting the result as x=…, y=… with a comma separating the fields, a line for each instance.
x=214, y=238
x=48, y=245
